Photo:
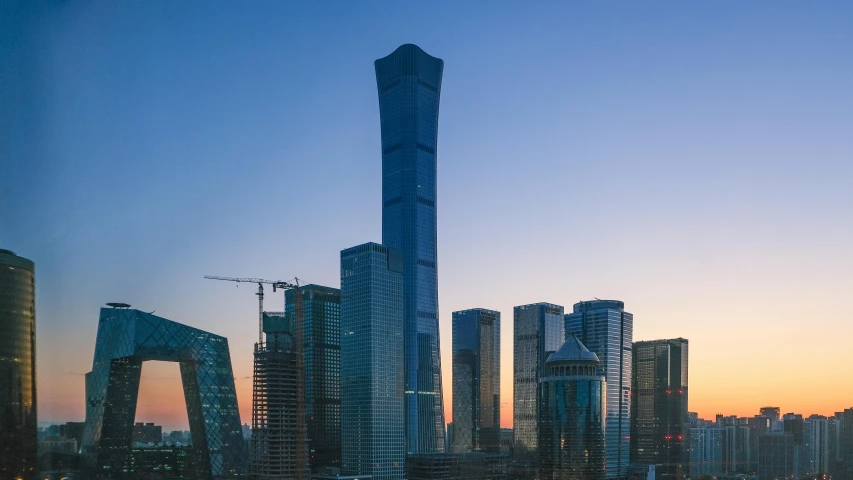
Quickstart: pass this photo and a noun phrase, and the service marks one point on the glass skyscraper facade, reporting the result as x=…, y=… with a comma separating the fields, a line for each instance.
x=321, y=336
x=409, y=84
x=18, y=427
x=571, y=415
x=128, y=337
x=372, y=410
x=537, y=332
x=608, y=330
x=659, y=424
x=476, y=380
x=706, y=451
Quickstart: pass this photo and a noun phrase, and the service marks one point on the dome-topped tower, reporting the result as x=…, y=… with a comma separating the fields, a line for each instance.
x=572, y=359
x=572, y=415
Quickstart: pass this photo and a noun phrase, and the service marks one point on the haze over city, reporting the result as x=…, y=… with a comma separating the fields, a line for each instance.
x=693, y=162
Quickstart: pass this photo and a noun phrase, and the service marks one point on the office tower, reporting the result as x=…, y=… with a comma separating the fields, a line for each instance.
x=127, y=338
x=279, y=438
x=571, y=426
x=816, y=445
x=18, y=426
x=372, y=378
x=537, y=332
x=660, y=424
x=409, y=83
x=776, y=458
x=706, y=451
x=476, y=380
x=736, y=448
x=321, y=340
x=607, y=330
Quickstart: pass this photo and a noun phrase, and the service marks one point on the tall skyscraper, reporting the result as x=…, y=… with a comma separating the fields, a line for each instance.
x=409, y=83
x=706, y=451
x=571, y=426
x=537, y=332
x=608, y=331
x=476, y=380
x=321, y=337
x=372, y=409
x=659, y=426
x=279, y=430
x=18, y=427
x=816, y=443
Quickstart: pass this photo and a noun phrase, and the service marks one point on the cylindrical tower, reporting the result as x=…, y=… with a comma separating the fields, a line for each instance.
x=571, y=415
x=18, y=430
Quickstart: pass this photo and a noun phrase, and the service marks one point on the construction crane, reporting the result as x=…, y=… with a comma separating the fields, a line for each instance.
x=276, y=284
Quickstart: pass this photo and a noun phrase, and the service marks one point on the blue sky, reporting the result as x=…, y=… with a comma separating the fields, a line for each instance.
x=693, y=160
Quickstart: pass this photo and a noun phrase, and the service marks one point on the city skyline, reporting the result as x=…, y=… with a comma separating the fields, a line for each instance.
x=701, y=224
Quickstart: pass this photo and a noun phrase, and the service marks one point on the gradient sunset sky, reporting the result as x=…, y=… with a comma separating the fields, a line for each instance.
x=693, y=159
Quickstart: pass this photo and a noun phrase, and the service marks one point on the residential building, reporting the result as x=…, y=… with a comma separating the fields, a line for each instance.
x=372, y=366
x=537, y=332
x=660, y=422
x=706, y=451
x=776, y=460
x=18, y=422
x=572, y=410
x=476, y=380
x=816, y=443
x=321, y=339
x=457, y=466
x=608, y=331
x=409, y=85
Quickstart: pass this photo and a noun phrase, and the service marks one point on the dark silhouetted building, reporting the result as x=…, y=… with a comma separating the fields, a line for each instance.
x=457, y=466
x=147, y=433
x=776, y=460
x=845, y=445
x=816, y=445
x=409, y=84
x=571, y=426
x=321, y=337
x=18, y=422
x=608, y=331
x=660, y=425
x=538, y=331
x=476, y=380
x=279, y=438
x=372, y=410
x=128, y=337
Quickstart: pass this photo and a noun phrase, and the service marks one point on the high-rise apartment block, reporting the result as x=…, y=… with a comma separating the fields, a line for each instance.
x=776, y=457
x=706, y=451
x=18, y=426
x=372, y=378
x=816, y=445
x=321, y=337
x=537, y=332
x=409, y=84
x=476, y=380
x=571, y=415
x=660, y=425
x=608, y=331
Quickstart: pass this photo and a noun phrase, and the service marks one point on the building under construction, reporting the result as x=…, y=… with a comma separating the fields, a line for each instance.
x=279, y=443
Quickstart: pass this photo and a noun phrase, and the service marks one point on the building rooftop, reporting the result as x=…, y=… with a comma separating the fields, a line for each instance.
x=572, y=351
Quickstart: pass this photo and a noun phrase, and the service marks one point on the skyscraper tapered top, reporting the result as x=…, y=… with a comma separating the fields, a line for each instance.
x=409, y=85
